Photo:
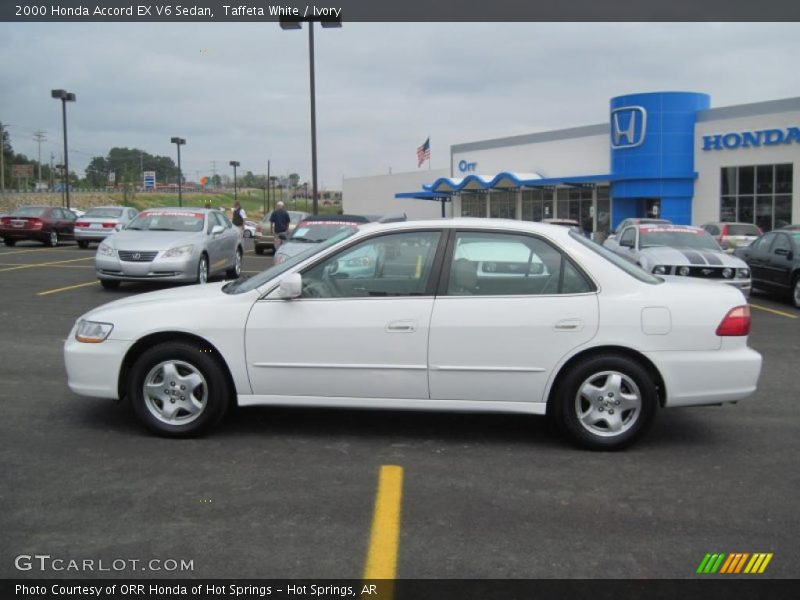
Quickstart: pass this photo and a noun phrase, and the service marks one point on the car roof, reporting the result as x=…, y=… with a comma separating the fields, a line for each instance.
x=477, y=223
x=669, y=227
x=110, y=206
x=348, y=218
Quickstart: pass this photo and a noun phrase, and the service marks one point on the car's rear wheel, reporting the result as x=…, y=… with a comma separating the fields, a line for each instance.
x=178, y=389
x=235, y=271
x=202, y=269
x=9, y=242
x=83, y=244
x=109, y=284
x=52, y=239
x=605, y=402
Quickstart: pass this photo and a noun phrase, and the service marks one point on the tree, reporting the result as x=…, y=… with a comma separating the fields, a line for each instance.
x=294, y=180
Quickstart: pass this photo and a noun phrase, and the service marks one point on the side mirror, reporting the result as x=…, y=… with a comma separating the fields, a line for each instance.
x=217, y=229
x=291, y=286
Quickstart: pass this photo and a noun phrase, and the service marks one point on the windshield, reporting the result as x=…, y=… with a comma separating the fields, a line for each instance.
x=686, y=238
x=109, y=213
x=319, y=231
x=173, y=220
x=245, y=285
x=628, y=267
x=28, y=211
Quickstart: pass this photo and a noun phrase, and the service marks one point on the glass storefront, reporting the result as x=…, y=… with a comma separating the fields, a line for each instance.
x=537, y=204
x=576, y=203
x=474, y=204
x=760, y=194
x=503, y=204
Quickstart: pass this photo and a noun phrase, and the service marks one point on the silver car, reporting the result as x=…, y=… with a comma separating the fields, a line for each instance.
x=171, y=244
x=680, y=250
x=100, y=222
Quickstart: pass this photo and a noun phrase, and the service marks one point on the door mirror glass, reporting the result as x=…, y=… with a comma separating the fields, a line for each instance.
x=291, y=286
x=626, y=243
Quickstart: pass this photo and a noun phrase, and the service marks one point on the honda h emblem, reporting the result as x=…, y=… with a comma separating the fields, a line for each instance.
x=628, y=127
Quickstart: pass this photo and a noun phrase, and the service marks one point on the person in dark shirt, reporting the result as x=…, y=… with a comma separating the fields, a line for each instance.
x=279, y=222
x=238, y=216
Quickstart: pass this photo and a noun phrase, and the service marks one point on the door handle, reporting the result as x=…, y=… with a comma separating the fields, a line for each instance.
x=406, y=326
x=569, y=325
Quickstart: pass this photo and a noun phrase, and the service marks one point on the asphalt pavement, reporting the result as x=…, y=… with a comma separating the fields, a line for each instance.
x=290, y=493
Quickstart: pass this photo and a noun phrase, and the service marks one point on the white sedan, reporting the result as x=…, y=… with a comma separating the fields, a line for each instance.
x=559, y=325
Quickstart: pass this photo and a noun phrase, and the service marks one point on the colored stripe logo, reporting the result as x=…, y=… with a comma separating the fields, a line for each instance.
x=735, y=563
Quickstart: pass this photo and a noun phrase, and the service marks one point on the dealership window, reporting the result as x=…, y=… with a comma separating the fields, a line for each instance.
x=473, y=204
x=760, y=194
x=537, y=204
x=576, y=203
x=503, y=204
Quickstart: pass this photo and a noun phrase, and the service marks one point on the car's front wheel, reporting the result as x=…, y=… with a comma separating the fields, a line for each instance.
x=178, y=389
x=236, y=270
x=605, y=402
x=202, y=269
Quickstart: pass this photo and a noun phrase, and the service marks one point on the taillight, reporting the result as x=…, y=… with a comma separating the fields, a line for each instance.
x=5, y=221
x=736, y=322
x=724, y=231
x=108, y=225
x=35, y=223
x=81, y=224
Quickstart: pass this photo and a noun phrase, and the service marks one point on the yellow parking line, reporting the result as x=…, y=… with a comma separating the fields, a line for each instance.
x=774, y=312
x=45, y=264
x=385, y=534
x=2, y=264
x=69, y=287
x=31, y=250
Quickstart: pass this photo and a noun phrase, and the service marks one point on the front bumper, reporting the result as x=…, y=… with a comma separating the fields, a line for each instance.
x=160, y=269
x=93, y=369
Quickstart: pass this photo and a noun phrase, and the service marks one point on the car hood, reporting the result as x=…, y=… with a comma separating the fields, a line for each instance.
x=152, y=240
x=667, y=255
x=161, y=297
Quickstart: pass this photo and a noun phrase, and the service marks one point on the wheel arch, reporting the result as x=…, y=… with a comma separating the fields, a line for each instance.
x=640, y=358
x=153, y=339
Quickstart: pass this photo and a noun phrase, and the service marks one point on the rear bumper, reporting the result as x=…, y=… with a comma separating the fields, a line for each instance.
x=708, y=377
x=92, y=235
x=25, y=234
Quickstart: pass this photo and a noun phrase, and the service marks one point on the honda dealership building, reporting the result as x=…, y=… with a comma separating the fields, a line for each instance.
x=664, y=154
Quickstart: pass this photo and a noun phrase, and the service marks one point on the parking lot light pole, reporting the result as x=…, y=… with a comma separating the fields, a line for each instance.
x=179, y=142
x=65, y=97
x=234, y=164
x=295, y=24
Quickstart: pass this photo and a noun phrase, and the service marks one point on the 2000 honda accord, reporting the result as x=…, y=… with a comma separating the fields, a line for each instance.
x=464, y=314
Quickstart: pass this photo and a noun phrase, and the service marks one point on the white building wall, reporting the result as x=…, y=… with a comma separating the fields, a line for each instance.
x=375, y=195
x=708, y=164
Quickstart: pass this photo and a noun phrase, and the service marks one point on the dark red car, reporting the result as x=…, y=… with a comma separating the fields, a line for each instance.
x=46, y=224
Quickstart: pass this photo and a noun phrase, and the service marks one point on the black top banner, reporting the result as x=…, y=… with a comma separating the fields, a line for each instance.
x=398, y=10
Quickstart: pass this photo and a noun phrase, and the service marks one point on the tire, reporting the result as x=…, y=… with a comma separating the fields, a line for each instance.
x=235, y=271
x=109, y=284
x=83, y=244
x=259, y=250
x=247, y=233
x=52, y=240
x=202, y=269
x=629, y=402
x=172, y=411
x=796, y=291
x=9, y=242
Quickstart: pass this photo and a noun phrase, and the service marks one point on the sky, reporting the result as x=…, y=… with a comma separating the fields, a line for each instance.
x=240, y=91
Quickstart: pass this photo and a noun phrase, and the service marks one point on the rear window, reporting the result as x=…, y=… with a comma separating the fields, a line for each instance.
x=104, y=213
x=742, y=229
x=630, y=268
x=29, y=211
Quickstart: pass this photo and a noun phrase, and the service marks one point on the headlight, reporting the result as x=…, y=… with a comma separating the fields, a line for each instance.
x=106, y=250
x=660, y=270
x=727, y=272
x=743, y=273
x=92, y=332
x=178, y=251
x=683, y=271
x=280, y=258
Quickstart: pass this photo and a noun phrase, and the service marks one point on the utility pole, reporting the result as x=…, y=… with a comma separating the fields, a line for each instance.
x=2, y=161
x=39, y=137
x=52, y=176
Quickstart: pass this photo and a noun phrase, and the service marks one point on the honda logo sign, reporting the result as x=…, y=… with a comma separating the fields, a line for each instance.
x=628, y=126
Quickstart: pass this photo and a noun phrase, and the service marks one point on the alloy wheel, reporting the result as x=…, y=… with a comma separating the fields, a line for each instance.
x=608, y=403
x=175, y=392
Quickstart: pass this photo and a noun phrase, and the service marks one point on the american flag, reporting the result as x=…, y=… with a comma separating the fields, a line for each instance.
x=424, y=152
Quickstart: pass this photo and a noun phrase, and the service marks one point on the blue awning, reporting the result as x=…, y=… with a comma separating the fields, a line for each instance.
x=423, y=195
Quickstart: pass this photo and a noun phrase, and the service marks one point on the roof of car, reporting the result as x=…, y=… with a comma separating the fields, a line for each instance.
x=348, y=218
